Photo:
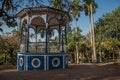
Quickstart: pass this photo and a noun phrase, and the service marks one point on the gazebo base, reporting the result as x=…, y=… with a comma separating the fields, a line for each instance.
x=31, y=61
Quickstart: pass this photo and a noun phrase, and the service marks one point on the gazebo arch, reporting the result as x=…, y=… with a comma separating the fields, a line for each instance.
x=54, y=21
x=37, y=21
x=46, y=54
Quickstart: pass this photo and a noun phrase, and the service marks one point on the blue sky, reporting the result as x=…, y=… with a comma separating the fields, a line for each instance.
x=104, y=6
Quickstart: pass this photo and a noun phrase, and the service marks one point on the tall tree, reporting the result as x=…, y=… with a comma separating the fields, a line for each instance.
x=9, y=46
x=74, y=40
x=60, y=4
x=107, y=34
x=76, y=9
x=8, y=10
x=90, y=8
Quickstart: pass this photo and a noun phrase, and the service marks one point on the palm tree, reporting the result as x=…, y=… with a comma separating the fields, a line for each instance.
x=74, y=43
x=75, y=10
x=56, y=4
x=60, y=4
x=90, y=8
x=77, y=36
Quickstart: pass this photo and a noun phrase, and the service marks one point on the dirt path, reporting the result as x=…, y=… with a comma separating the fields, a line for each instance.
x=74, y=72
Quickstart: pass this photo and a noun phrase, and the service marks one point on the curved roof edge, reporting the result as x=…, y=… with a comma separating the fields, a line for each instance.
x=47, y=8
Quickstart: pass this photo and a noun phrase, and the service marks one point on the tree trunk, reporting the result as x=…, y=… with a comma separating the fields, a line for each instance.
x=113, y=56
x=5, y=57
x=77, y=56
x=100, y=56
x=94, y=59
x=77, y=52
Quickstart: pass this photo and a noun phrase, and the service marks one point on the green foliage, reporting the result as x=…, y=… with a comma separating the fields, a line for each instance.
x=60, y=4
x=43, y=33
x=9, y=8
x=87, y=6
x=9, y=48
x=74, y=38
x=107, y=33
x=84, y=60
x=75, y=8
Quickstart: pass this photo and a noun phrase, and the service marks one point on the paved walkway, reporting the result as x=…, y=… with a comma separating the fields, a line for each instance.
x=74, y=72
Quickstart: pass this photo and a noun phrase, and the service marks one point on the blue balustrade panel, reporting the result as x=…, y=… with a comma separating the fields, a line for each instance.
x=35, y=62
x=21, y=63
x=42, y=62
x=55, y=62
x=65, y=61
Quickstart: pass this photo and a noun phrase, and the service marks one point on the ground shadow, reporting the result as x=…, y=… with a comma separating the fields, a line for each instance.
x=74, y=72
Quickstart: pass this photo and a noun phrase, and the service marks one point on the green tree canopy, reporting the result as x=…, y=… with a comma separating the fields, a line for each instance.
x=107, y=32
x=9, y=8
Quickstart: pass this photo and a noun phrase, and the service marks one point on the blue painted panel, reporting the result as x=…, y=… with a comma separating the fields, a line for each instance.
x=31, y=67
x=20, y=66
x=51, y=64
x=47, y=62
x=66, y=61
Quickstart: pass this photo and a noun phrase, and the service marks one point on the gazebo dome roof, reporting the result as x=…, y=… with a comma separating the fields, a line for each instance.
x=41, y=10
x=39, y=16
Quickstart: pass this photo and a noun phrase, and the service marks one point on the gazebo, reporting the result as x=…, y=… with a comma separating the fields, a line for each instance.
x=39, y=50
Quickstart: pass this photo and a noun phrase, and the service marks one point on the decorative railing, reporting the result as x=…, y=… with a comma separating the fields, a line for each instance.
x=54, y=47
x=40, y=47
